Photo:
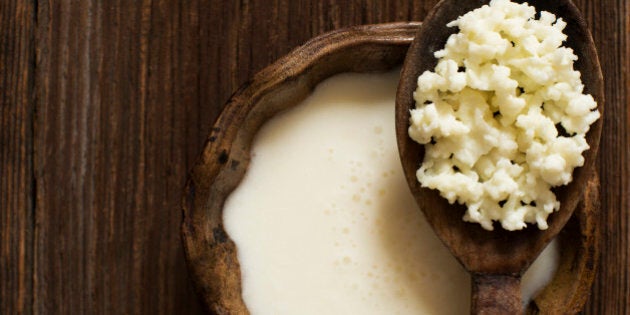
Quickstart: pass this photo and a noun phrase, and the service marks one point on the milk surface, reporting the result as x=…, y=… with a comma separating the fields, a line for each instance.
x=324, y=222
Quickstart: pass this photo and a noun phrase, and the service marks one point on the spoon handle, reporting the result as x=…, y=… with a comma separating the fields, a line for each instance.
x=496, y=294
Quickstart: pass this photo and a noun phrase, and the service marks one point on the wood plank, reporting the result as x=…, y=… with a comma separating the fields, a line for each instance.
x=110, y=162
x=610, y=26
x=17, y=61
x=125, y=93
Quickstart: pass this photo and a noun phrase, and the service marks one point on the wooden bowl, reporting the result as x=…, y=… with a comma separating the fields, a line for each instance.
x=211, y=254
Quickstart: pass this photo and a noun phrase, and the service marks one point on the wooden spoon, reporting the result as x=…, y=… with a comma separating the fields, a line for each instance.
x=496, y=259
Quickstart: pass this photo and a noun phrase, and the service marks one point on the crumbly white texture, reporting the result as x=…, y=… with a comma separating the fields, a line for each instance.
x=488, y=114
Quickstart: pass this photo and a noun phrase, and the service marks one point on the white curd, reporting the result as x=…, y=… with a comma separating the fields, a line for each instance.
x=503, y=117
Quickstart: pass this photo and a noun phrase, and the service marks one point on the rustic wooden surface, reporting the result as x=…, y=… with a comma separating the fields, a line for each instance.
x=104, y=106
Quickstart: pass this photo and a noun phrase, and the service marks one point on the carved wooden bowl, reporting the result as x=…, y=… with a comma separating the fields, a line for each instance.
x=211, y=254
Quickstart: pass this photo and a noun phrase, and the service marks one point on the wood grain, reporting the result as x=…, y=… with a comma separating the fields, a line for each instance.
x=105, y=106
x=16, y=156
x=610, y=24
x=110, y=156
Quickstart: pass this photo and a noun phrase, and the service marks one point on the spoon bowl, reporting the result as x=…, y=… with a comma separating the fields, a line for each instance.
x=496, y=259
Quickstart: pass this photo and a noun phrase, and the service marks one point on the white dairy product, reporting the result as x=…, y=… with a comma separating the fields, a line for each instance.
x=324, y=222
x=488, y=116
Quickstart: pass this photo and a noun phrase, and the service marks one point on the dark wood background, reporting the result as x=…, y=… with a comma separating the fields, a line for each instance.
x=104, y=106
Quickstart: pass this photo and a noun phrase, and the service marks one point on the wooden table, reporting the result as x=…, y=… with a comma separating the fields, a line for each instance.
x=105, y=105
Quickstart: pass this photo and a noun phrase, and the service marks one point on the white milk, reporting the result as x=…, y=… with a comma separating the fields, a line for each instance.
x=324, y=222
